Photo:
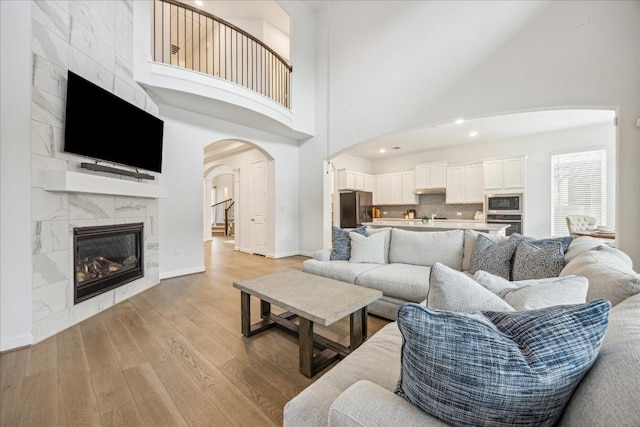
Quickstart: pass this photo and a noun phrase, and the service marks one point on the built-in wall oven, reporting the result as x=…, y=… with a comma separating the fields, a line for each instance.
x=505, y=209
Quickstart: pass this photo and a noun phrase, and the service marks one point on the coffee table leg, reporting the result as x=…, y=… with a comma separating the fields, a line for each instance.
x=265, y=309
x=245, y=313
x=306, y=346
x=357, y=327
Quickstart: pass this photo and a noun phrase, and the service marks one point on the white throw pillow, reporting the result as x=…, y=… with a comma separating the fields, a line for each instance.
x=535, y=294
x=453, y=290
x=367, y=249
x=387, y=239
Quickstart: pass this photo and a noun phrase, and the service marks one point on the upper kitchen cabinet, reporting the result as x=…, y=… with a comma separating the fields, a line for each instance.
x=395, y=189
x=430, y=176
x=351, y=180
x=464, y=184
x=504, y=174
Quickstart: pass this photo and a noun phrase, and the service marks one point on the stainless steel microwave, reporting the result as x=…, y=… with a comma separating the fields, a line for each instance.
x=503, y=203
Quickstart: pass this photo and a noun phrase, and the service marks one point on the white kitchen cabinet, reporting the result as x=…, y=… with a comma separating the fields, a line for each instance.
x=513, y=173
x=430, y=175
x=455, y=184
x=382, y=196
x=395, y=189
x=346, y=179
x=409, y=197
x=505, y=174
x=351, y=180
x=464, y=184
x=369, y=182
x=474, y=188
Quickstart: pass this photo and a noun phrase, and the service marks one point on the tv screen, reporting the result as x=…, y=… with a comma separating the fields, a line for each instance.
x=103, y=126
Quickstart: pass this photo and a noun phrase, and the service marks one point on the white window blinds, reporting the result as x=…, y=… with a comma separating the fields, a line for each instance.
x=578, y=187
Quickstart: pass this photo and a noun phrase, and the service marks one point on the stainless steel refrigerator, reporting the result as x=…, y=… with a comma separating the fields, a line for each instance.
x=355, y=208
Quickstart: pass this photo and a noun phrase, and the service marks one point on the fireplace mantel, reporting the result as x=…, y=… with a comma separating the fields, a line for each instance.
x=75, y=182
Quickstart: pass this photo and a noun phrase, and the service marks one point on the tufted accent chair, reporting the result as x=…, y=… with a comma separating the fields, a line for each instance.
x=580, y=223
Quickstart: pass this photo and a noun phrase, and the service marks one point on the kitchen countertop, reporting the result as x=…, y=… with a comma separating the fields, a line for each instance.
x=439, y=225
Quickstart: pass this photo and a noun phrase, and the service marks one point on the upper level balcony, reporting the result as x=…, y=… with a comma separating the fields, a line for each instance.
x=194, y=39
x=195, y=60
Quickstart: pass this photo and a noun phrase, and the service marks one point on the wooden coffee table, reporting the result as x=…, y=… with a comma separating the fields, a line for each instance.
x=313, y=299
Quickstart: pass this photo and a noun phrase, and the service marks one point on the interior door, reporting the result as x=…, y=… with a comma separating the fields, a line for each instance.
x=258, y=207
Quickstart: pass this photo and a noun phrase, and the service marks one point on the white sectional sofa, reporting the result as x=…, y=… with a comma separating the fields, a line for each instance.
x=359, y=390
x=410, y=255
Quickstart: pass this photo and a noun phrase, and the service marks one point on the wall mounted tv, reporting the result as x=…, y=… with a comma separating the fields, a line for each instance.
x=105, y=127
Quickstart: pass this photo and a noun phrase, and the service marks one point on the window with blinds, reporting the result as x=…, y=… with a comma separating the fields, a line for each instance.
x=578, y=187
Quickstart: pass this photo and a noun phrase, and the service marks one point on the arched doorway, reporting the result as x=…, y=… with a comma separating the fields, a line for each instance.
x=244, y=171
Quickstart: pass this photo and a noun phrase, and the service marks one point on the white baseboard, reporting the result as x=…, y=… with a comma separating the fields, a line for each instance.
x=284, y=255
x=15, y=342
x=307, y=254
x=185, y=272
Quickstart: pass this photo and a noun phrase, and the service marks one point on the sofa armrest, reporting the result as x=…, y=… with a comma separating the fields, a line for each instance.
x=322, y=255
x=368, y=404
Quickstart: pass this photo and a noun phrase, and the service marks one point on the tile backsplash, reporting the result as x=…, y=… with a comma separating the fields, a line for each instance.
x=429, y=204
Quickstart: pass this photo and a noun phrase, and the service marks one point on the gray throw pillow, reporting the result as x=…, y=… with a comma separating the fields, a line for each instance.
x=455, y=291
x=512, y=368
x=609, y=276
x=532, y=262
x=342, y=242
x=367, y=249
x=493, y=257
x=534, y=294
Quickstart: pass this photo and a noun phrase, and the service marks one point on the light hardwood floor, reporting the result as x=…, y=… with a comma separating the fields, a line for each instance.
x=172, y=355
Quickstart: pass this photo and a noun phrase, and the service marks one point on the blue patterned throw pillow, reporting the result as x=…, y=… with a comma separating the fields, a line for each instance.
x=498, y=368
x=492, y=257
x=342, y=242
x=565, y=241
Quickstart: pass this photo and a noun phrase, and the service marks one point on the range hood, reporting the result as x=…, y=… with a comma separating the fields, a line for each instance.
x=429, y=191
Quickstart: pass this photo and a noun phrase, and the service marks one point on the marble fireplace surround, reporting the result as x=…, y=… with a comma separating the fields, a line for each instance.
x=70, y=199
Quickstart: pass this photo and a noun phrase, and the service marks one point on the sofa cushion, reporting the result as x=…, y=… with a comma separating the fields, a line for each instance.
x=403, y=281
x=579, y=245
x=493, y=257
x=426, y=248
x=470, y=239
x=534, y=294
x=505, y=368
x=609, y=276
x=387, y=239
x=338, y=270
x=367, y=249
x=534, y=262
x=342, y=242
x=608, y=394
x=455, y=291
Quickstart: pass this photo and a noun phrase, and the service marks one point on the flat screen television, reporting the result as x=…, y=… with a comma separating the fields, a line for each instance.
x=105, y=127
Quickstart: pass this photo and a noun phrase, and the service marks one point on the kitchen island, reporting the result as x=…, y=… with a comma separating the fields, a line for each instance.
x=439, y=225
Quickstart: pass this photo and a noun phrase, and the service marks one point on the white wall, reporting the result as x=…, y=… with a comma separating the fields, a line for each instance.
x=185, y=136
x=15, y=167
x=402, y=64
x=354, y=163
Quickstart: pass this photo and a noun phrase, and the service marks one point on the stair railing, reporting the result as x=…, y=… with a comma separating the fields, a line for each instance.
x=228, y=219
x=223, y=209
x=187, y=37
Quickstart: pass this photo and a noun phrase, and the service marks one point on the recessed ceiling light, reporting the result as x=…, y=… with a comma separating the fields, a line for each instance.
x=199, y=2
x=459, y=121
x=473, y=134
x=382, y=150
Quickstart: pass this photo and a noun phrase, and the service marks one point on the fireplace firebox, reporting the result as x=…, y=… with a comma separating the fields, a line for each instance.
x=106, y=257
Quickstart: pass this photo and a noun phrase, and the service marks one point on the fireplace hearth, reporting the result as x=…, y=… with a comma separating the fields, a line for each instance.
x=106, y=257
